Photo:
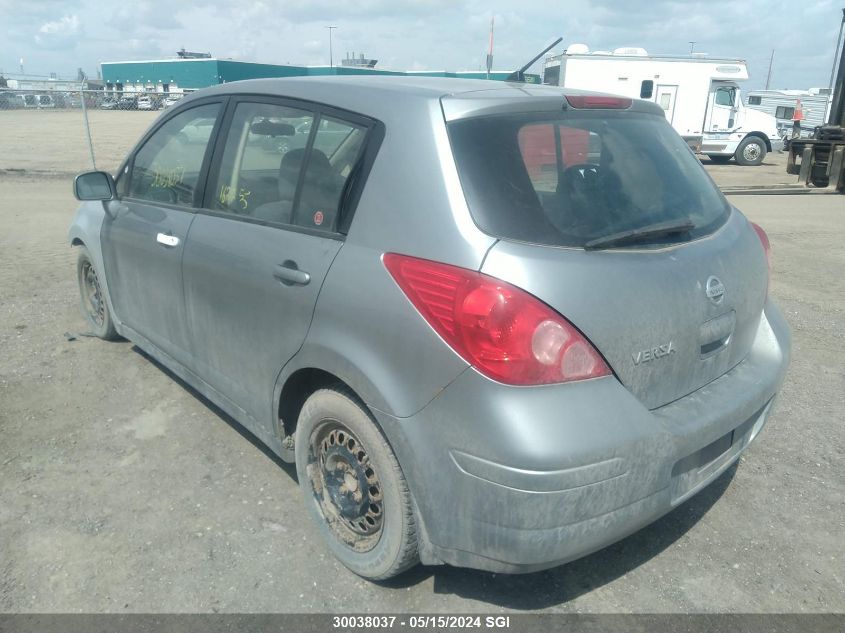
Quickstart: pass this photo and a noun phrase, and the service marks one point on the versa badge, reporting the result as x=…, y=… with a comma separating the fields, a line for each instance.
x=648, y=355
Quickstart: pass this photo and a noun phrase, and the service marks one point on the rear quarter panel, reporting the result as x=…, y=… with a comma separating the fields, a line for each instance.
x=365, y=331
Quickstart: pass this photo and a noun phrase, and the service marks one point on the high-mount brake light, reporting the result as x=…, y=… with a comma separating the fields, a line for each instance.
x=504, y=332
x=598, y=102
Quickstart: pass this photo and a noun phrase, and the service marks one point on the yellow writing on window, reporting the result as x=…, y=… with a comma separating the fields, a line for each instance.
x=242, y=197
x=228, y=195
x=165, y=179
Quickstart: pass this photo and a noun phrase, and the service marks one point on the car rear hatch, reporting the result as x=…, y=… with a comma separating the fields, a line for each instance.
x=648, y=313
x=604, y=214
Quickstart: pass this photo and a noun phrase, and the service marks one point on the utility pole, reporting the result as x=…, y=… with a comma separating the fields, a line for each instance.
x=836, y=54
x=331, y=57
x=490, y=51
x=85, y=121
x=769, y=76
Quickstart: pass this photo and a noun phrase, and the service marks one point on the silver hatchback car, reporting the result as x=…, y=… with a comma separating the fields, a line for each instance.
x=495, y=325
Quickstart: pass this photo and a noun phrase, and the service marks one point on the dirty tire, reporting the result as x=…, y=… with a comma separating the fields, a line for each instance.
x=719, y=160
x=751, y=151
x=329, y=419
x=95, y=308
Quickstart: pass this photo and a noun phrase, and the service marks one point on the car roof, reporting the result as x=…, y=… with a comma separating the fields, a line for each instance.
x=373, y=85
x=383, y=97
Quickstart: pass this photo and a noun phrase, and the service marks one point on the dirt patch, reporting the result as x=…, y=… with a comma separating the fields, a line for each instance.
x=54, y=140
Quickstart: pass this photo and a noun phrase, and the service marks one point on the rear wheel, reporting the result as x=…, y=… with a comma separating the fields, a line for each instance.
x=719, y=160
x=353, y=486
x=751, y=151
x=93, y=302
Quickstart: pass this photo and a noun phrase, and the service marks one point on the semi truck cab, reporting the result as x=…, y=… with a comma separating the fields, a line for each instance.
x=732, y=130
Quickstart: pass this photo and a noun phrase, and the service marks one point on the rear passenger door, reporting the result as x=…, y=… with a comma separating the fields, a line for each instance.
x=263, y=242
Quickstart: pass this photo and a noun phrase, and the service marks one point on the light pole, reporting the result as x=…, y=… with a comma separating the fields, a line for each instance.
x=769, y=75
x=331, y=58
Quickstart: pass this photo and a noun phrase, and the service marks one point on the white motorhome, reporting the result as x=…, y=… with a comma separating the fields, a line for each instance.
x=700, y=96
x=781, y=104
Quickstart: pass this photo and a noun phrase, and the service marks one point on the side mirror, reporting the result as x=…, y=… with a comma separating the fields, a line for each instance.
x=94, y=185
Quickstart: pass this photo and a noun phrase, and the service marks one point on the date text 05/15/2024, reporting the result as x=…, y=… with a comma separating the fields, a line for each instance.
x=420, y=622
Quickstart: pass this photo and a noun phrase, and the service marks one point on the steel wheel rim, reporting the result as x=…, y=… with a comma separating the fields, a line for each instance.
x=751, y=151
x=92, y=297
x=346, y=487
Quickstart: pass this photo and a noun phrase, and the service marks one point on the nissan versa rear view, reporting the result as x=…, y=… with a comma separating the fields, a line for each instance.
x=494, y=325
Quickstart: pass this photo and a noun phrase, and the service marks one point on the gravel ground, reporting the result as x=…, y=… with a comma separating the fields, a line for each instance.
x=45, y=141
x=121, y=490
x=771, y=172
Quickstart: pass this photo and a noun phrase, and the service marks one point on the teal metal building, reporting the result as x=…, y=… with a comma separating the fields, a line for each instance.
x=186, y=75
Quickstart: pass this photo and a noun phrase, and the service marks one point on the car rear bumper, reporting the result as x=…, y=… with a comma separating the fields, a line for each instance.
x=516, y=479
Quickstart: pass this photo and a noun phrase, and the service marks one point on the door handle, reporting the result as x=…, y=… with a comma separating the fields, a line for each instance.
x=289, y=274
x=167, y=240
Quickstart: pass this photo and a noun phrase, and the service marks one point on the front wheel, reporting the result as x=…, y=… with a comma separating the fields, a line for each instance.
x=751, y=151
x=93, y=302
x=353, y=486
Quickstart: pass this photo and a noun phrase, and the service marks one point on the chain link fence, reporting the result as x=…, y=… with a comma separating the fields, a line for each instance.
x=91, y=99
x=64, y=132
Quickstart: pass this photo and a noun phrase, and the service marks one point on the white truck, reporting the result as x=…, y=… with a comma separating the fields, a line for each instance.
x=700, y=96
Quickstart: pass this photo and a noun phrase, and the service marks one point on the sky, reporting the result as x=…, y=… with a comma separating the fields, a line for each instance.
x=59, y=36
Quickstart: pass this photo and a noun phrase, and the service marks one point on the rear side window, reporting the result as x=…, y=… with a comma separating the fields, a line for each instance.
x=337, y=147
x=167, y=167
x=262, y=161
x=566, y=179
x=286, y=165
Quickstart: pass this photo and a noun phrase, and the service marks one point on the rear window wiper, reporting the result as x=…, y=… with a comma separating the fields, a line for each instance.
x=632, y=236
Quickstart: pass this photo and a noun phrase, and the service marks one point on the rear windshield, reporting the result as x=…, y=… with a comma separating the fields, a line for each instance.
x=574, y=178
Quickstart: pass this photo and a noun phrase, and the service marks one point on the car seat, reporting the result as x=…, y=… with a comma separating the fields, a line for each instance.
x=280, y=210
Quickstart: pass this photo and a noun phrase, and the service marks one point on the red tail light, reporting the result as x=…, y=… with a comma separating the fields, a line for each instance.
x=586, y=102
x=764, y=240
x=504, y=332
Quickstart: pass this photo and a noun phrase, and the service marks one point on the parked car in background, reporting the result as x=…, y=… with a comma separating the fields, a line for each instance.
x=9, y=100
x=145, y=102
x=127, y=102
x=109, y=103
x=66, y=100
x=197, y=131
x=171, y=100
x=475, y=361
x=46, y=101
